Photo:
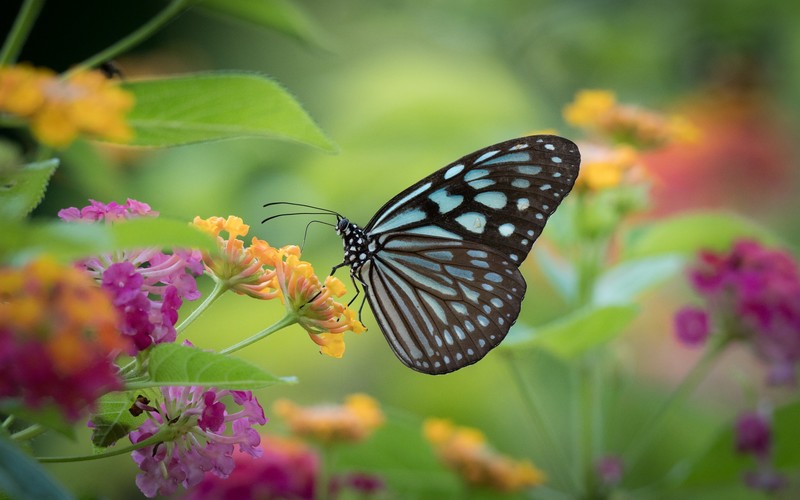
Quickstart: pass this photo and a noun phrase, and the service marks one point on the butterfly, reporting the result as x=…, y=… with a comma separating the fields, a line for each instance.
x=439, y=263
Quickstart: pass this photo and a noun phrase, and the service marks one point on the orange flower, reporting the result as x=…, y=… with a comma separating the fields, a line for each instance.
x=238, y=267
x=313, y=302
x=59, y=109
x=598, y=112
x=354, y=421
x=465, y=450
x=604, y=167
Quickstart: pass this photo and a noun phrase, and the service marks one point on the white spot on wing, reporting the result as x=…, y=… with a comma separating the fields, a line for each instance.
x=521, y=183
x=487, y=155
x=445, y=200
x=492, y=199
x=453, y=171
x=434, y=231
x=506, y=229
x=529, y=169
x=399, y=220
x=522, y=204
x=481, y=183
x=400, y=203
x=472, y=221
x=556, y=159
x=475, y=174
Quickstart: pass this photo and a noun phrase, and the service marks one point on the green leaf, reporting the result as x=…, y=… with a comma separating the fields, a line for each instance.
x=72, y=240
x=687, y=234
x=113, y=420
x=215, y=106
x=559, y=272
x=179, y=365
x=621, y=284
x=22, y=188
x=576, y=333
x=22, y=477
x=279, y=15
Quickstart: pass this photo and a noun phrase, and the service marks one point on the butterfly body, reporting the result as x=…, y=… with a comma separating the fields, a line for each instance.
x=439, y=262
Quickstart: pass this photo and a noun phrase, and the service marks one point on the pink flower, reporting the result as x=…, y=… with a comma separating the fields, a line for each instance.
x=691, y=326
x=200, y=435
x=148, y=286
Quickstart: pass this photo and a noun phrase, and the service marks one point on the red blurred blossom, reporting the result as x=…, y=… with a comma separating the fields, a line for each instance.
x=691, y=326
x=753, y=434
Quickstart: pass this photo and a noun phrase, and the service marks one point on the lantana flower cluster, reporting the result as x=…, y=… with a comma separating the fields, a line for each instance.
x=353, y=421
x=58, y=337
x=465, y=450
x=148, y=286
x=59, y=109
x=752, y=293
x=197, y=434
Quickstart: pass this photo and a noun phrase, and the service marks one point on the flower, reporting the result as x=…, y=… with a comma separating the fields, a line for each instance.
x=598, y=112
x=197, y=434
x=58, y=337
x=148, y=286
x=691, y=326
x=58, y=109
x=609, y=469
x=354, y=421
x=236, y=266
x=752, y=294
x=753, y=436
x=286, y=468
x=465, y=450
x=312, y=302
x=605, y=167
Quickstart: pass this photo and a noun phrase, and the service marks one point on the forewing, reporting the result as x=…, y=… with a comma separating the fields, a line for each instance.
x=441, y=304
x=499, y=197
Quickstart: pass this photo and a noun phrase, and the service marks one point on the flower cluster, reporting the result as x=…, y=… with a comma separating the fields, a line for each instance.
x=604, y=167
x=58, y=337
x=354, y=421
x=752, y=293
x=59, y=109
x=191, y=424
x=598, y=112
x=753, y=434
x=465, y=450
x=148, y=285
x=239, y=268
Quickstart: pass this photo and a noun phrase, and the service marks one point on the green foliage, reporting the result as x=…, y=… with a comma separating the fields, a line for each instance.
x=22, y=477
x=22, y=188
x=624, y=282
x=213, y=106
x=179, y=365
x=113, y=420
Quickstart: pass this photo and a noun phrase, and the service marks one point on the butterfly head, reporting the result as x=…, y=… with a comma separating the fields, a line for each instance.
x=356, y=243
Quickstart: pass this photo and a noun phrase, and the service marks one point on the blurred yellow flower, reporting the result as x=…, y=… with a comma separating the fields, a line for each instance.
x=465, y=450
x=59, y=109
x=598, y=112
x=240, y=268
x=604, y=167
x=354, y=421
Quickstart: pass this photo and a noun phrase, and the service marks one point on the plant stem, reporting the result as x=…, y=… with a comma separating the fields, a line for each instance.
x=287, y=320
x=29, y=432
x=322, y=488
x=143, y=33
x=19, y=32
x=698, y=372
x=220, y=288
x=155, y=438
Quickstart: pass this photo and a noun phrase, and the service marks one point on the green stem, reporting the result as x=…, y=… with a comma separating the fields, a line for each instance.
x=20, y=31
x=287, y=320
x=322, y=488
x=29, y=433
x=155, y=438
x=556, y=462
x=698, y=372
x=9, y=420
x=220, y=287
x=143, y=33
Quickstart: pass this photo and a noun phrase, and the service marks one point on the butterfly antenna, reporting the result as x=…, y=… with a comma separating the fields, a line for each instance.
x=295, y=213
x=303, y=205
x=305, y=233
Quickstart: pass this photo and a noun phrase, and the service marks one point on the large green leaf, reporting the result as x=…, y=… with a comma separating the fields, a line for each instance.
x=72, y=240
x=179, y=365
x=279, y=15
x=22, y=188
x=213, y=106
x=22, y=477
x=113, y=420
x=575, y=333
x=621, y=284
x=559, y=271
x=687, y=234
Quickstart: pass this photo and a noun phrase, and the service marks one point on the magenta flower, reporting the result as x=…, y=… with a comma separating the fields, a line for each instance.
x=148, y=286
x=609, y=469
x=199, y=436
x=752, y=293
x=753, y=435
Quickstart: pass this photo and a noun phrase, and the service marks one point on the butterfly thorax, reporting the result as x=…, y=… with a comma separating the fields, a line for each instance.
x=357, y=244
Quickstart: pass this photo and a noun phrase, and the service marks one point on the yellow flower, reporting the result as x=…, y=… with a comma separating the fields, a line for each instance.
x=354, y=421
x=59, y=109
x=605, y=167
x=598, y=112
x=313, y=302
x=240, y=268
x=465, y=450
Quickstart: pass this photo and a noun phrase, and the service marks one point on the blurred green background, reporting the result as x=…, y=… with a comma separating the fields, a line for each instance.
x=405, y=87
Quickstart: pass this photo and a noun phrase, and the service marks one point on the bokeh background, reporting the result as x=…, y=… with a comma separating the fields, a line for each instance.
x=405, y=87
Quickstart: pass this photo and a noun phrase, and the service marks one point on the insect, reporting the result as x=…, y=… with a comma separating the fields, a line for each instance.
x=439, y=263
